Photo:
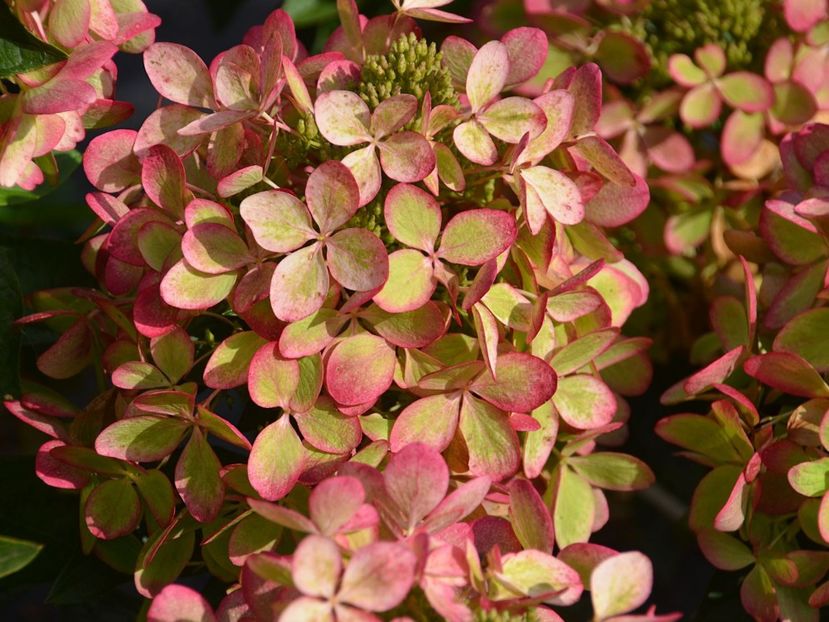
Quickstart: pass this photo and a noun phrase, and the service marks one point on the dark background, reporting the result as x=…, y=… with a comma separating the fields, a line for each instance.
x=37, y=242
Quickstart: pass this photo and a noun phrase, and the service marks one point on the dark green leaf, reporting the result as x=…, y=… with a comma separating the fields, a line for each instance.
x=16, y=554
x=20, y=50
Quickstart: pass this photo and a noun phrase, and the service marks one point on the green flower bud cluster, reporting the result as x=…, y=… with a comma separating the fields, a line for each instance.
x=370, y=217
x=478, y=194
x=681, y=26
x=410, y=66
x=505, y=616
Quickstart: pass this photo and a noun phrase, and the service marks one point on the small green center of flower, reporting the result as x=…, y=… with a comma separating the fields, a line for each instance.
x=411, y=66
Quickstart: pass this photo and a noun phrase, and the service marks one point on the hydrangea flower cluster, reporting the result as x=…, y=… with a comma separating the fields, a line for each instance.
x=701, y=120
x=357, y=333
x=764, y=505
x=47, y=110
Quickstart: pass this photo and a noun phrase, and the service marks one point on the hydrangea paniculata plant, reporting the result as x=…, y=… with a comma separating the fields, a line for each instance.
x=356, y=340
x=763, y=509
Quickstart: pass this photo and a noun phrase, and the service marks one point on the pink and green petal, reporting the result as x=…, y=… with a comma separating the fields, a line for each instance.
x=197, y=478
x=343, y=118
x=332, y=195
x=524, y=382
x=184, y=287
x=213, y=248
x=178, y=74
x=279, y=221
x=473, y=237
x=357, y=259
x=412, y=216
x=359, y=369
x=300, y=284
x=430, y=420
x=277, y=460
x=406, y=157
x=474, y=142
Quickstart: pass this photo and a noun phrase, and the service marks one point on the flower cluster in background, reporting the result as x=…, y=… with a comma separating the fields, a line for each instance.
x=357, y=332
x=47, y=109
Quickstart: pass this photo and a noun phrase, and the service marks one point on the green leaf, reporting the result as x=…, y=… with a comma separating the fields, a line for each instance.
x=16, y=554
x=20, y=50
x=307, y=13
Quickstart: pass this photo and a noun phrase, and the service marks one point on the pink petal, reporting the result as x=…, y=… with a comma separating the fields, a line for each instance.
x=359, y=369
x=586, y=89
x=416, y=481
x=801, y=15
x=58, y=95
x=407, y=157
x=685, y=72
x=334, y=502
x=487, y=74
x=176, y=603
x=527, y=51
x=378, y=576
x=332, y=195
x=616, y=205
x=300, y=284
x=620, y=584
x=316, y=567
x=109, y=161
x=162, y=126
x=343, y=118
x=178, y=74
